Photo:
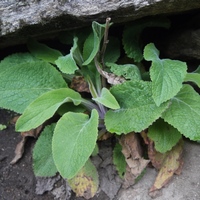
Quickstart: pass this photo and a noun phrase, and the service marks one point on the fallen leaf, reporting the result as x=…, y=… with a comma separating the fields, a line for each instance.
x=79, y=84
x=171, y=163
x=86, y=182
x=33, y=132
x=14, y=119
x=155, y=157
x=19, y=150
x=133, y=155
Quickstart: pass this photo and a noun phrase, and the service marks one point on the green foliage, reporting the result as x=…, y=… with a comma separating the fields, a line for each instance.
x=132, y=33
x=119, y=160
x=42, y=51
x=184, y=113
x=73, y=142
x=44, y=108
x=2, y=127
x=43, y=163
x=164, y=135
x=128, y=71
x=137, y=108
x=155, y=100
x=24, y=78
x=92, y=44
x=112, y=53
x=107, y=99
x=166, y=75
x=67, y=64
x=193, y=77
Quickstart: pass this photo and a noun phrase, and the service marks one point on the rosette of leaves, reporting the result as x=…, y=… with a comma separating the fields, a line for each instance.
x=36, y=84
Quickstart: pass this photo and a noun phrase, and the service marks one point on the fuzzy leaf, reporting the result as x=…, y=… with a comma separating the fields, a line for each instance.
x=131, y=36
x=92, y=43
x=119, y=160
x=43, y=52
x=137, y=108
x=67, y=63
x=24, y=78
x=164, y=135
x=193, y=77
x=166, y=75
x=43, y=163
x=112, y=51
x=85, y=183
x=107, y=99
x=184, y=113
x=44, y=108
x=73, y=142
x=128, y=71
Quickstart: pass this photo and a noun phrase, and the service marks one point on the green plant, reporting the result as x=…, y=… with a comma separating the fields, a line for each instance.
x=36, y=84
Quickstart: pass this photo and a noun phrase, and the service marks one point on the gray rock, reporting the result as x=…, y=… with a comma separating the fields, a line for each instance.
x=37, y=18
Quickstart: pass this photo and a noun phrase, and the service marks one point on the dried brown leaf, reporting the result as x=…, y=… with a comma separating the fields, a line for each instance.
x=19, y=150
x=79, y=84
x=171, y=164
x=14, y=119
x=133, y=155
x=33, y=132
x=155, y=157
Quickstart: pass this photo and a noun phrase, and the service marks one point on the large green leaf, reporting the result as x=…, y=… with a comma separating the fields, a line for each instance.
x=43, y=163
x=74, y=141
x=184, y=113
x=164, y=135
x=137, y=108
x=67, y=64
x=107, y=99
x=23, y=78
x=128, y=71
x=42, y=51
x=132, y=33
x=166, y=75
x=44, y=108
x=92, y=43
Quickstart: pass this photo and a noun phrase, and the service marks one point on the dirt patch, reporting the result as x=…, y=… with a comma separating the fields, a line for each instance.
x=17, y=181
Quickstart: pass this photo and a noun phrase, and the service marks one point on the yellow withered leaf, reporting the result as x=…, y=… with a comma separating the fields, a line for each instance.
x=171, y=164
x=85, y=183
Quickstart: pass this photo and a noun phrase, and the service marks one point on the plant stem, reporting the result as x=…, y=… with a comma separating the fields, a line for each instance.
x=105, y=41
x=103, y=49
x=90, y=106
